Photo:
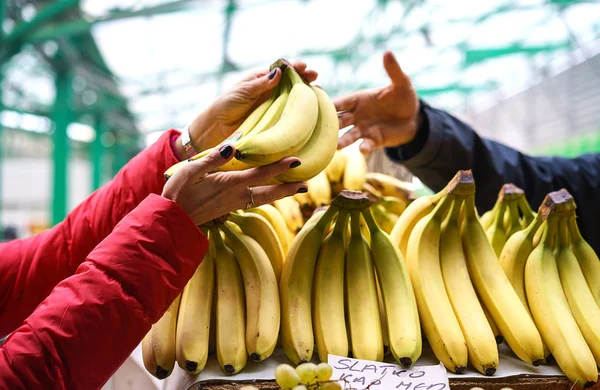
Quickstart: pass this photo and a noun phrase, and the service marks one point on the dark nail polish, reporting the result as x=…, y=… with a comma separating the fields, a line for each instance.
x=190, y=159
x=295, y=164
x=272, y=74
x=302, y=190
x=226, y=151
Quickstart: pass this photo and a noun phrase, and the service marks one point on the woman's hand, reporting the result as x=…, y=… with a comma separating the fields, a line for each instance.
x=205, y=196
x=386, y=116
x=229, y=110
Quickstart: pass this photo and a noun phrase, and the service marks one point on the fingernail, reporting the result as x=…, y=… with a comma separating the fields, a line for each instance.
x=302, y=190
x=272, y=74
x=295, y=164
x=226, y=151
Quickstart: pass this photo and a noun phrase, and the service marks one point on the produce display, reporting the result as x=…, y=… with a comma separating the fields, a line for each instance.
x=428, y=268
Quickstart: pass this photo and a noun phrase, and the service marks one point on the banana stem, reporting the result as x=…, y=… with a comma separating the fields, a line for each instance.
x=533, y=227
x=355, y=223
x=341, y=224
x=499, y=217
x=574, y=232
x=563, y=232
x=368, y=215
x=469, y=208
x=455, y=209
x=550, y=230
x=526, y=210
x=441, y=208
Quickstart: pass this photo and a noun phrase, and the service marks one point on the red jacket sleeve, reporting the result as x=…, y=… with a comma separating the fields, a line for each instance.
x=30, y=268
x=89, y=324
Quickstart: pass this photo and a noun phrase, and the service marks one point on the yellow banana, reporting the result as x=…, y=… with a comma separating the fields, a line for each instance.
x=290, y=133
x=480, y=339
x=488, y=217
x=304, y=200
x=291, y=212
x=435, y=310
x=514, y=223
x=296, y=283
x=551, y=310
x=496, y=233
x=402, y=326
x=385, y=220
x=497, y=335
x=257, y=227
x=495, y=291
x=230, y=308
x=355, y=170
x=587, y=258
x=414, y=212
x=193, y=320
x=389, y=185
x=319, y=190
x=271, y=214
x=579, y=296
x=273, y=114
x=335, y=168
x=514, y=256
x=262, y=297
x=393, y=204
x=318, y=152
x=158, y=346
x=328, y=294
x=361, y=295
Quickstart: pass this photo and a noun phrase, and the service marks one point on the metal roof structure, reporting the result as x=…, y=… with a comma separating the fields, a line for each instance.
x=127, y=70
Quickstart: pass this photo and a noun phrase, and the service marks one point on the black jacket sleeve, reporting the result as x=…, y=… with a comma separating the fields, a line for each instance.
x=444, y=145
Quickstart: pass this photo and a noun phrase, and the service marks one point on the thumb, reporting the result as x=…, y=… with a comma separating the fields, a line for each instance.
x=393, y=69
x=215, y=159
x=264, y=83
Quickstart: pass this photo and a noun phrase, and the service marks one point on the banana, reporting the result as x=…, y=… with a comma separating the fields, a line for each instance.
x=488, y=217
x=290, y=133
x=296, y=283
x=291, y=212
x=402, y=326
x=587, y=258
x=528, y=215
x=514, y=223
x=384, y=328
x=273, y=114
x=480, y=339
x=319, y=189
x=158, y=346
x=435, y=310
x=385, y=220
x=355, y=171
x=497, y=335
x=328, y=294
x=393, y=204
x=335, y=168
x=496, y=232
x=414, y=212
x=365, y=230
x=318, y=152
x=496, y=292
x=361, y=295
x=193, y=320
x=579, y=296
x=514, y=256
x=257, y=227
x=304, y=200
x=262, y=297
x=271, y=214
x=231, y=308
x=389, y=186
x=551, y=310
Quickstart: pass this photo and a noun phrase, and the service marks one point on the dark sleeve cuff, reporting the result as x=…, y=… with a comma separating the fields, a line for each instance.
x=426, y=144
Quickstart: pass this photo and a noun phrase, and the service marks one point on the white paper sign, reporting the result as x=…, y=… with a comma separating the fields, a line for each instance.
x=360, y=374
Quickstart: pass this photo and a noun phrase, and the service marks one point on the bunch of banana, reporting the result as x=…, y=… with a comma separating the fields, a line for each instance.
x=291, y=211
x=560, y=300
x=297, y=120
x=390, y=186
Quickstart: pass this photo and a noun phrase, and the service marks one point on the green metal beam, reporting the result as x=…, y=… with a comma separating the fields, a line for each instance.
x=97, y=154
x=82, y=26
x=45, y=15
x=473, y=56
x=62, y=117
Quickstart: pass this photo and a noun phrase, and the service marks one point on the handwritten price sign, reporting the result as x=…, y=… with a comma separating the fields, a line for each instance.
x=360, y=374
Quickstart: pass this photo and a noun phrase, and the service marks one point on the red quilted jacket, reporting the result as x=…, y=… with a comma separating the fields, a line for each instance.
x=80, y=297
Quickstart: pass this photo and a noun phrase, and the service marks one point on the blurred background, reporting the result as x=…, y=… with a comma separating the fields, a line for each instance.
x=86, y=84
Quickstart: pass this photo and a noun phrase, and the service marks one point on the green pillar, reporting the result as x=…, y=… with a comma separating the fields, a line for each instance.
x=97, y=154
x=62, y=117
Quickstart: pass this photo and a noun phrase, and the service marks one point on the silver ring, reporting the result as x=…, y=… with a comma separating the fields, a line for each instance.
x=250, y=204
